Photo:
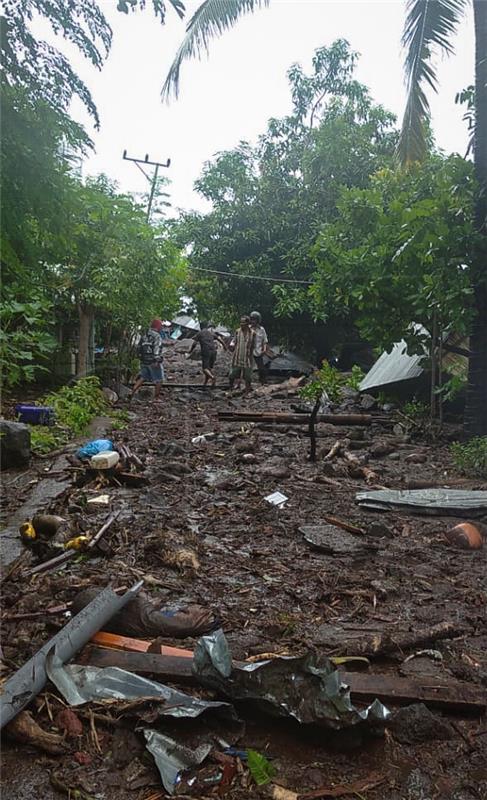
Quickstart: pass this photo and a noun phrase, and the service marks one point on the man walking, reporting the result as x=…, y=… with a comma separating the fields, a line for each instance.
x=149, y=351
x=243, y=348
x=261, y=346
x=207, y=339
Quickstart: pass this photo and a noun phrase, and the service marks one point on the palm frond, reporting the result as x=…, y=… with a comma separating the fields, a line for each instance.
x=210, y=20
x=430, y=24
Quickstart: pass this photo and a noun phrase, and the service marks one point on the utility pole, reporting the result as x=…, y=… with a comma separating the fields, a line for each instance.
x=152, y=180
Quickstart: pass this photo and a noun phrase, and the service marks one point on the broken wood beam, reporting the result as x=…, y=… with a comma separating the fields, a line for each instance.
x=363, y=687
x=432, y=691
x=284, y=418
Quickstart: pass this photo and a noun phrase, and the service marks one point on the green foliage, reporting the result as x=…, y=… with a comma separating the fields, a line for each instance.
x=417, y=411
x=397, y=253
x=451, y=388
x=260, y=768
x=471, y=457
x=76, y=405
x=43, y=439
x=356, y=377
x=328, y=379
x=25, y=338
x=269, y=201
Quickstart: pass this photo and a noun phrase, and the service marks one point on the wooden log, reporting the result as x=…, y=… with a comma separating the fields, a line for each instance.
x=363, y=687
x=284, y=418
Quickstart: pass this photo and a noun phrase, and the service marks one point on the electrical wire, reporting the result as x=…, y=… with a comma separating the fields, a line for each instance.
x=252, y=277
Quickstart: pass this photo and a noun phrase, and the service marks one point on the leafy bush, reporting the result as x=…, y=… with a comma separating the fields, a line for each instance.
x=330, y=380
x=25, y=339
x=471, y=457
x=76, y=405
x=416, y=410
x=43, y=440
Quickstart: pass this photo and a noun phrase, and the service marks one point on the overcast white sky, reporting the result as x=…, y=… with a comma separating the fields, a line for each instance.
x=231, y=95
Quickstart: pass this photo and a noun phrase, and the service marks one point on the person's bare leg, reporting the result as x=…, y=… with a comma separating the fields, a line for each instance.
x=157, y=390
x=208, y=375
x=138, y=383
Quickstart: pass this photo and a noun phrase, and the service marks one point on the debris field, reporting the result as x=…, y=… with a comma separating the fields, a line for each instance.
x=395, y=599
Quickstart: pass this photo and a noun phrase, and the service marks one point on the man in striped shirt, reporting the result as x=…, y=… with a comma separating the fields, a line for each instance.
x=243, y=349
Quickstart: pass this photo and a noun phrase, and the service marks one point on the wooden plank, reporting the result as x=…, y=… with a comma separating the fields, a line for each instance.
x=131, y=645
x=280, y=417
x=363, y=687
x=435, y=692
x=167, y=667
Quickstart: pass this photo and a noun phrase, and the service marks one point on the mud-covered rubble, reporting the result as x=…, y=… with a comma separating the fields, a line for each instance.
x=199, y=531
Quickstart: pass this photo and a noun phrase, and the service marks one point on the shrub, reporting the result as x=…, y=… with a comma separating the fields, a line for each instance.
x=471, y=457
x=330, y=380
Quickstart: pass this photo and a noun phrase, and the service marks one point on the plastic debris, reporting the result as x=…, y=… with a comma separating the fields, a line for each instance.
x=99, y=500
x=94, y=447
x=203, y=438
x=426, y=501
x=277, y=499
x=82, y=684
x=173, y=758
x=105, y=460
x=466, y=536
x=35, y=415
x=308, y=688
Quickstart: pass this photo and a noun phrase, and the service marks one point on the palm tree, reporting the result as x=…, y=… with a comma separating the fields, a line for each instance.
x=430, y=25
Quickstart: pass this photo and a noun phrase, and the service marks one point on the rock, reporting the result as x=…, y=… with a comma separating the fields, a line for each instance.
x=69, y=722
x=415, y=458
x=14, y=444
x=336, y=542
x=278, y=472
x=368, y=402
x=84, y=759
x=110, y=395
x=398, y=429
x=379, y=530
x=379, y=449
x=395, y=456
x=416, y=723
x=248, y=458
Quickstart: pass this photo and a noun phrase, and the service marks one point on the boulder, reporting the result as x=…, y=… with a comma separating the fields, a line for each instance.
x=14, y=444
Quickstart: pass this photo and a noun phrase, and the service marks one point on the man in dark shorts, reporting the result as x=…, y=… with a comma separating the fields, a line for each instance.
x=149, y=351
x=207, y=339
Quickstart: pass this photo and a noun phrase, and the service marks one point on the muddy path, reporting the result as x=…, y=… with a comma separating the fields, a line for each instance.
x=250, y=562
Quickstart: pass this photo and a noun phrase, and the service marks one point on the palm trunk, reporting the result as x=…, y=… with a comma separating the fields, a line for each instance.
x=476, y=407
x=85, y=316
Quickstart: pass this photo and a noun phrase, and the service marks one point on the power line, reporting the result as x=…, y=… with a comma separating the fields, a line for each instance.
x=253, y=277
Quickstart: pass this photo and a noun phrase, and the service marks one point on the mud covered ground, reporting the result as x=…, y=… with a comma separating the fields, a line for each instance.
x=275, y=593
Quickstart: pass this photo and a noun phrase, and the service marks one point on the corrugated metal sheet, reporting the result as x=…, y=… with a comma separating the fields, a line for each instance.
x=185, y=321
x=393, y=367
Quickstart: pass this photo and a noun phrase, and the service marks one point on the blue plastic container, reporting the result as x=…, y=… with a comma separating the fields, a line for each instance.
x=35, y=415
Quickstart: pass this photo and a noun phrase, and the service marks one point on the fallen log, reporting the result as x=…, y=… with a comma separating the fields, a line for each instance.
x=363, y=687
x=281, y=417
x=386, y=643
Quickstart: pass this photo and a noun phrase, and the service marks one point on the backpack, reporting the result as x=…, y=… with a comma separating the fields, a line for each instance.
x=146, y=350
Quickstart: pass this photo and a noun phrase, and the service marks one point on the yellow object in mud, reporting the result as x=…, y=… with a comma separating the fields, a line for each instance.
x=78, y=543
x=27, y=532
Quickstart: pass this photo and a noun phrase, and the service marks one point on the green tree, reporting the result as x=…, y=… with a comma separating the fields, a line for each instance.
x=430, y=27
x=270, y=200
x=396, y=253
x=116, y=264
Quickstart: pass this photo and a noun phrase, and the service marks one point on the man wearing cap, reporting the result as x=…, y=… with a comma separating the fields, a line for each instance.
x=149, y=351
x=261, y=344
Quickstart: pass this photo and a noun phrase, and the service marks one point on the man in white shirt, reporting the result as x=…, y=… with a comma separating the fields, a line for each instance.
x=261, y=344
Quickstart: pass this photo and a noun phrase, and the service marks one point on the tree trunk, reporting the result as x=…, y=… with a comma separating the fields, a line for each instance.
x=476, y=406
x=85, y=316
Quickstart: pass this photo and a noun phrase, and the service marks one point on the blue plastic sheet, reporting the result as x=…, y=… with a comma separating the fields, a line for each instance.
x=94, y=447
